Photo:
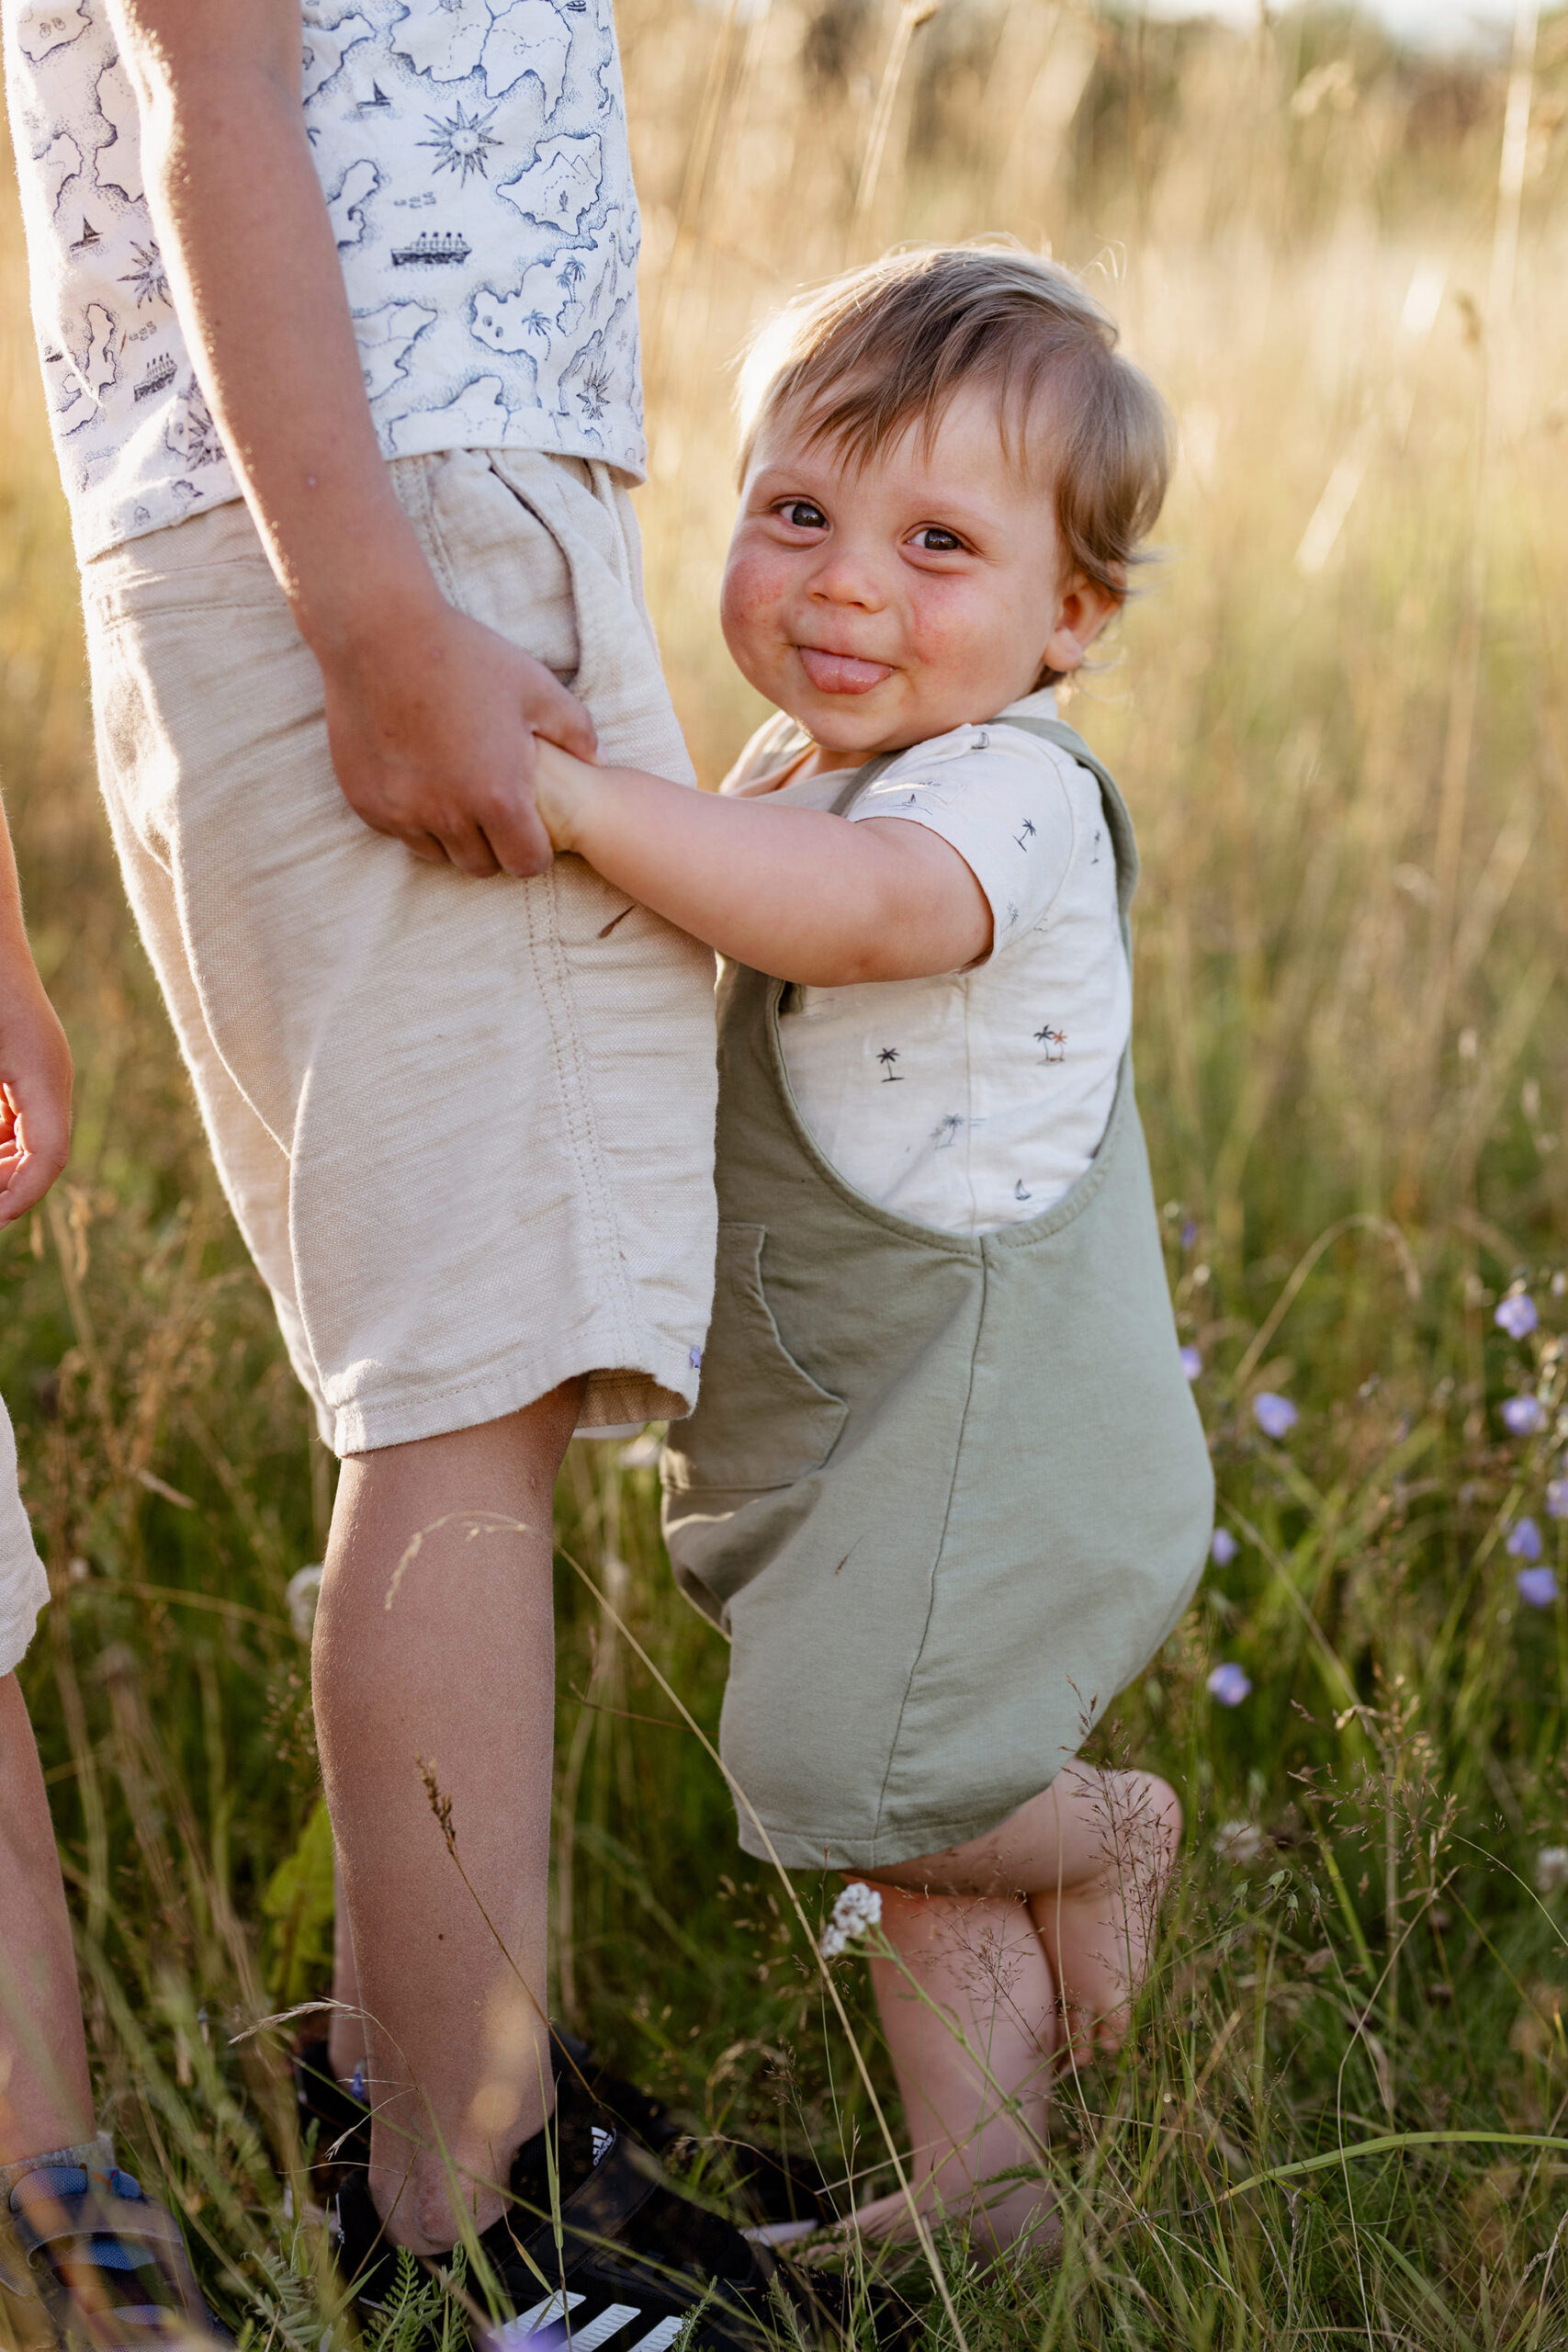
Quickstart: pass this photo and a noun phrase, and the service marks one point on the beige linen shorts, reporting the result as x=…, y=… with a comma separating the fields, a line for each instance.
x=24, y=1588
x=465, y=1126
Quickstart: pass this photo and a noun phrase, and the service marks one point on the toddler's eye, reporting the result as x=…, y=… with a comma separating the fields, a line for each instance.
x=803, y=514
x=932, y=539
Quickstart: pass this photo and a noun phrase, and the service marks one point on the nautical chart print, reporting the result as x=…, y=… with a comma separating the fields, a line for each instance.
x=473, y=158
x=974, y=1100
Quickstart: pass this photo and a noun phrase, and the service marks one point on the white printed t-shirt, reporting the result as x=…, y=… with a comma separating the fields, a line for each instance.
x=473, y=158
x=976, y=1099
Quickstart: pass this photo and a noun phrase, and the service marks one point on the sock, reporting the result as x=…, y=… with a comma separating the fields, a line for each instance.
x=95, y=2157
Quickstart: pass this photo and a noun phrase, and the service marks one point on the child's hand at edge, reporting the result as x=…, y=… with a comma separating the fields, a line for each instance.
x=35, y=1065
x=561, y=785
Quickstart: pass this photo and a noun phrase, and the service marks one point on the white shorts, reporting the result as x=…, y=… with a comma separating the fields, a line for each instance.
x=465, y=1126
x=24, y=1588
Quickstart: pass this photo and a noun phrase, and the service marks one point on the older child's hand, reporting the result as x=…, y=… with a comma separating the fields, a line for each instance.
x=562, y=787
x=35, y=1089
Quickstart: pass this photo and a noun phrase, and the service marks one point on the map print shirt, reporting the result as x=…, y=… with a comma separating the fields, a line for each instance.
x=473, y=157
x=978, y=1099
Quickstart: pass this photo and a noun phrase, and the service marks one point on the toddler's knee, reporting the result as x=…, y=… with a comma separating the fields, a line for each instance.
x=1160, y=1808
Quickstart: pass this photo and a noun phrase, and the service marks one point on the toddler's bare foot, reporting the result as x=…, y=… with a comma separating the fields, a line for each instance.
x=1008, y=2216
x=1097, y=1932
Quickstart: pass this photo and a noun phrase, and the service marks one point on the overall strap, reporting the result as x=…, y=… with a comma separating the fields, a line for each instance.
x=855, y=784
x=1067, y=739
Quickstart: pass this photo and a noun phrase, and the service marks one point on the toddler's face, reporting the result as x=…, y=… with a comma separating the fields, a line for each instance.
x=884, y=603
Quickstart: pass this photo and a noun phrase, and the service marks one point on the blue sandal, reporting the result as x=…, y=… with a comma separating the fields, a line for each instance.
x=108, y=2265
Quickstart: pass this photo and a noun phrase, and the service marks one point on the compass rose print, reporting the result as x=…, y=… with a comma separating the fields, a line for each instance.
x=462, y=144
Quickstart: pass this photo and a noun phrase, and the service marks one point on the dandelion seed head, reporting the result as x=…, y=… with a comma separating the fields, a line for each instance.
x=1229, y=1683
x=1517, y=1315
x=1536, y=1586
x=1275, y=1416
x=1524, y=1541
x=1552, y=1868
x=1523, y=1415
x=1239, y=1842
x=1223, y=1548
x=1192, y=1363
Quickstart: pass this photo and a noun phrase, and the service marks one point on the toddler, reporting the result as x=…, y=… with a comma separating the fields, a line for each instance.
x=946, y=1488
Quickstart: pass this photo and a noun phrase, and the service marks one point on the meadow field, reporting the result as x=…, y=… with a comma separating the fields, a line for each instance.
x=1340, y=711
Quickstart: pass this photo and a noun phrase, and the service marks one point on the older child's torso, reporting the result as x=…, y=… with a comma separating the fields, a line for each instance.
x=973, y=1100
x=473, y=157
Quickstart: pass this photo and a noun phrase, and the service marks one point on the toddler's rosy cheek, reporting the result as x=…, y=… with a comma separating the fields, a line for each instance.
x=749, y=602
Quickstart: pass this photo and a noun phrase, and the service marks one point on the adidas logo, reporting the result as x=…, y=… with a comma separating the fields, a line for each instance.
x=603, y=2141
x=548, y=2326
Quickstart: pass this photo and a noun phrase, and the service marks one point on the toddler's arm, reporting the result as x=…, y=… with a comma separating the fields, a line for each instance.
x=792, y=891
x=35, y=1063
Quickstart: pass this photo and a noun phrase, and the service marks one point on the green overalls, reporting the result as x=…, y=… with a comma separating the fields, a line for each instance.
x=946, y=1494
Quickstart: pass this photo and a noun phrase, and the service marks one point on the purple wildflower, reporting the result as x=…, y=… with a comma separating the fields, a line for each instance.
x=1189, y=1234
x=1223, y=1548
x=1229, y=1684
x=1523, y=1415
x=1524, y=1541
x=1517, y=1315
x=1538, y=1586
x=1557, y=1498
x=1275, y=1416
x=1192, y=1363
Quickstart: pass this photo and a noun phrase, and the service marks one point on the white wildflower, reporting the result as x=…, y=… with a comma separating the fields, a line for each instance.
x=1552, y=1868
x=858, y=1908
x=1238, y=1841
x=303, y=1591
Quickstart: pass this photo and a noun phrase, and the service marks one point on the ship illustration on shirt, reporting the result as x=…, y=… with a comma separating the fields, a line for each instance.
x=157, y=376
x=435, y=249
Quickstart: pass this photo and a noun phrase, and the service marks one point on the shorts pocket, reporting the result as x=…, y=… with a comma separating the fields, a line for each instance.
x=761, y=1419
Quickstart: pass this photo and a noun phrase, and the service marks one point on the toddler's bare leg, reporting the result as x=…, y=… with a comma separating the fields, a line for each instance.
x=453, y=1669
x=969, y=2019
x=1090, y=1856
x=1097, y=1924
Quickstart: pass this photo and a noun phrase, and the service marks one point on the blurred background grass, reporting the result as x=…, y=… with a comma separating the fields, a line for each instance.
x=1338, y=713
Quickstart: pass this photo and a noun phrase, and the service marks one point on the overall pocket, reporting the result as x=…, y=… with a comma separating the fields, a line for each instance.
x=761, y=1420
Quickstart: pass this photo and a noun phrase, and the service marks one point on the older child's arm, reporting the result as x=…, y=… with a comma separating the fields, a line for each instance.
x=35, y=1063
x=792, y=891
x=428, y=713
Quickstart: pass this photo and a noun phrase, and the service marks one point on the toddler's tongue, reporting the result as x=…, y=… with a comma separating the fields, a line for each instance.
x=840, y=673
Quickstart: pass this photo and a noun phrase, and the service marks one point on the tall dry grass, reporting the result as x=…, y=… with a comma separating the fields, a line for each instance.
x=1339, y=715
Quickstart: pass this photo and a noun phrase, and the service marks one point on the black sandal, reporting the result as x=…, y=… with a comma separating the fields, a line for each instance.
x=627, y=2266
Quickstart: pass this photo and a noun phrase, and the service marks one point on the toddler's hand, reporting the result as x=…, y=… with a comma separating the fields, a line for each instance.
x=561, y=786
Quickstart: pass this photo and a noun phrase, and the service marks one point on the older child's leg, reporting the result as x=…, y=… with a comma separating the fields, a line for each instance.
x=46, y=2101
x=968, y=2012
x=456, y=1674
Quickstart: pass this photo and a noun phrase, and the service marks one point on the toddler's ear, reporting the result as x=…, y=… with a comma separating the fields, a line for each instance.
x=1086, y=605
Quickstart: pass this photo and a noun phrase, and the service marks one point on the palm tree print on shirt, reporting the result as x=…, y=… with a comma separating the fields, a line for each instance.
x=887, y=1057
x=1053, y=1042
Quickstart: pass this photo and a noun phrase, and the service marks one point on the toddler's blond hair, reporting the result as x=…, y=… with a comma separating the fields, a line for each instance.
x=882, y=350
